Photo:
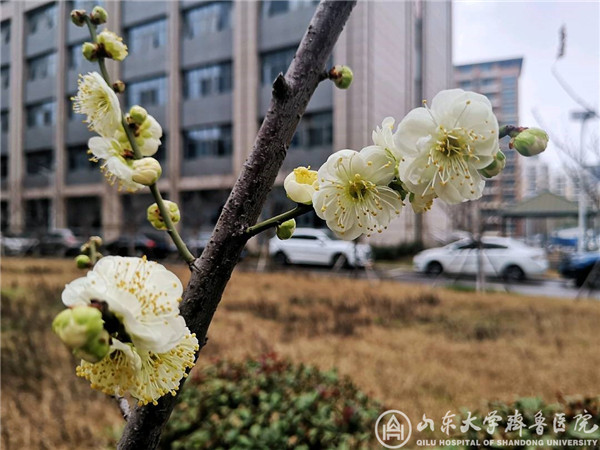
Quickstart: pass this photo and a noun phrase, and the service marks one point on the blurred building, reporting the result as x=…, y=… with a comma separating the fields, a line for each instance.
x=499, y=82
x=204, y=70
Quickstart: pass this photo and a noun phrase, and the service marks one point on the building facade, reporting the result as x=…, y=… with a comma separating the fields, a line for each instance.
x=204, y=70
x=499, y=82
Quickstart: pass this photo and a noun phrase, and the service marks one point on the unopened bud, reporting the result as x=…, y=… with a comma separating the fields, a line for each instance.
x=155, y=218
x=81, y=328
x=146, y=171
x=98, y=15
x=286, y=229
x=342, y=76
x=530, y=142
x=496, y=166
x=118, y=86
x=83, y=261
x=78, y=17
x=138, y=114
x=96, y=240
x=90, y=51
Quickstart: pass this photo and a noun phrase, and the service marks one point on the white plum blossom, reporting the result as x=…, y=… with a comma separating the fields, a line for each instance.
x=112, y=45
x=353, y=196
x=444, y=146
x=97, y=100
x=299, y=185
x=384, y=137
x=118, y=162
x=152, y=348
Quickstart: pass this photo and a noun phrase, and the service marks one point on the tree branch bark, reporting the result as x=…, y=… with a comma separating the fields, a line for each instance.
x=213, y=269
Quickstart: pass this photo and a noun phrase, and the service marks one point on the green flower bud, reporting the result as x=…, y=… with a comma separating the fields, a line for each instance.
x=98, y=15
x=530, y=142
x=78, y=17
x=286, y=229
x=81, y=328
x=89, y=51
x=495, y=167
x=146, y=171
x=342, y=76
x=155, y=218
x=138, y=114
x=83, y=262
x=118, y=86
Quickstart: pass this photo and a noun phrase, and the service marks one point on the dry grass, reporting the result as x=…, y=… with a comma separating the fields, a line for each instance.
x=415, y=349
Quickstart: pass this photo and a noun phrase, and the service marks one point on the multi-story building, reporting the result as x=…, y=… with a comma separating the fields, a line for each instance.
x=204, y=71
x=499, y=82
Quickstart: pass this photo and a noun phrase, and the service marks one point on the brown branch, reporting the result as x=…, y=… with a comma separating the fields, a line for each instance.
x=213, y=270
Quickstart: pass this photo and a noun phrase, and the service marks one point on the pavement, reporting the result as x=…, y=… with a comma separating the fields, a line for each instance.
x=540, y=287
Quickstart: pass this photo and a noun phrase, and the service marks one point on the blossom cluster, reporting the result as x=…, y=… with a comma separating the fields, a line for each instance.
x=443, y=151
x=142, y=346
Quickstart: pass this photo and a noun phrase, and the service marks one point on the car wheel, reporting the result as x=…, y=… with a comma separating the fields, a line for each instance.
x=281, y=259
x=434, y=268
x=339, y=261
x=514, y=273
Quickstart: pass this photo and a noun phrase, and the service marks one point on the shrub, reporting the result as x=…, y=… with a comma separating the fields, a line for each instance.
x=393, y=252
x=269, y=403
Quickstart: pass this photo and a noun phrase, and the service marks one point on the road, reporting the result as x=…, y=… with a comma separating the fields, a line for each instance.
x=539, y=287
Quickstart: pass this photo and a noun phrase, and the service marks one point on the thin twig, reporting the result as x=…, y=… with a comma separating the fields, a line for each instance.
x=123, y=406
x=278, y=220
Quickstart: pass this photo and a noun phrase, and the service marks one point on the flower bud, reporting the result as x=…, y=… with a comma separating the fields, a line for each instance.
x=96, y=240
x=83, y=262
x=138, y=114
x=530, y=142
x=78, y=17
x=286, y=229
x=155, y=218
x=81, y=328
x=112, y=45
x=299, y=185
x=118, y=86
x=90, y=51
x=342, y=76
x=98, y=15
x=146, y=171
x=496, y=166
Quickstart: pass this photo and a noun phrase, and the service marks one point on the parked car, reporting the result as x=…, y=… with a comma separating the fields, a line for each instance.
x=503, y=257
x=59, y=242
x=153, y=245
x=321, y=247
x=17, y=244
x=197, y=243
x=580, y=267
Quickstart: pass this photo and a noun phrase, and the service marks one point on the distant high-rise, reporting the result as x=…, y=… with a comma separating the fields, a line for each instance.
x=204, y=70
x=499, y=82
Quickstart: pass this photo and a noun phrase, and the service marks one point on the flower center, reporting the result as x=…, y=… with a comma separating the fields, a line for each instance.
x=452, y=142
x=304, y=175
x=358, y=187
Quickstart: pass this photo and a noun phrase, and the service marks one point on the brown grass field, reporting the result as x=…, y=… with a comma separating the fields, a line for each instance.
x=412, y=348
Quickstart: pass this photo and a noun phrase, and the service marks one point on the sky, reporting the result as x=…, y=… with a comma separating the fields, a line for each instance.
x=488, y=30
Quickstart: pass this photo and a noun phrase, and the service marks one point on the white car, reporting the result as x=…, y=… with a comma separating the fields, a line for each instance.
x=311, y=246
x=502, y=257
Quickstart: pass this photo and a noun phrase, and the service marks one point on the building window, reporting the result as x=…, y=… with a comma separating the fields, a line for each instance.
x=146, y=37
x=148, y=92
x=314, y=130
x=4, y=117
x=87, y=5
x=78, y=159
x=274, y=63
x=38, y=162
x=74, y=56
x=161, y=153
x=5, y=32
x=274, y=7
x=208, y=80
x=209, y=18
x=487, y=82
x=41, y=114
x=41, y=67
x=5, y=77
x=466, y=85
x=3, y=167
x=44, y=17
x=212, y=141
